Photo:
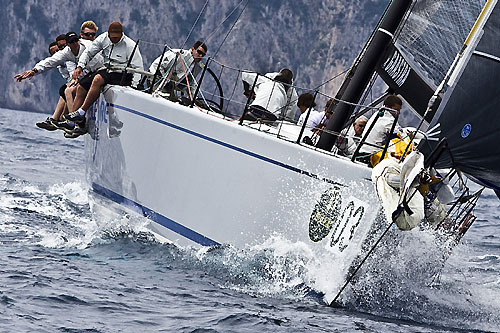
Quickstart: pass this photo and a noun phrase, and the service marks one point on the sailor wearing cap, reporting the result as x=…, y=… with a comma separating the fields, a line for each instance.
x=67, y=54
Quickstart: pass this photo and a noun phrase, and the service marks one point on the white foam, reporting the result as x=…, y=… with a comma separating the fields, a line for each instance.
x=75, y=192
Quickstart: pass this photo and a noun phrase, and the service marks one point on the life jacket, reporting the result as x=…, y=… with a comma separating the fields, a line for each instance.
x=396, y=149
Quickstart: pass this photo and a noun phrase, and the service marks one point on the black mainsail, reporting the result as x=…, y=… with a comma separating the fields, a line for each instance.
x=469, y=116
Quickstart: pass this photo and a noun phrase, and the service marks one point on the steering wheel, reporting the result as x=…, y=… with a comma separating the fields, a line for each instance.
x=210, y=104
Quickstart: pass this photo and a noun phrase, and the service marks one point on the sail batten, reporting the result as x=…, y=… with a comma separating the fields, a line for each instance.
x=486, y=55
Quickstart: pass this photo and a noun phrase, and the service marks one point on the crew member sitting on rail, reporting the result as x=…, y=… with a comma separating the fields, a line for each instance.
x=183, y=60
x=88, y=32
x=116, y=49
x=47, y=123
x=274, y=95
x=61, y=44
x=65, y=56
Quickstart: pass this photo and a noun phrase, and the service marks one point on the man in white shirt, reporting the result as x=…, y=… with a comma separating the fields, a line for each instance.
x=66, y=56
x=274, y=95
x=305, y=103
x=183, y=60
x=116, y=49
x=351, y=136
x=382, y=128
x=47, y=123
x=88, y=32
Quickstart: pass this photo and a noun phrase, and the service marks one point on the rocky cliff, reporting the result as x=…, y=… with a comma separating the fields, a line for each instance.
x=317, y=39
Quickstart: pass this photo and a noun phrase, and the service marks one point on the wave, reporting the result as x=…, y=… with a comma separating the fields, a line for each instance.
x=465, y=294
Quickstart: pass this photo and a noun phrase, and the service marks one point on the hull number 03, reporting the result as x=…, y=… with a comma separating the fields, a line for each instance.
x=329, y=214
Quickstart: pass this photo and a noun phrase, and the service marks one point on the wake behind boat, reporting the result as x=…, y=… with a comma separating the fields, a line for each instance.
x=205, y=178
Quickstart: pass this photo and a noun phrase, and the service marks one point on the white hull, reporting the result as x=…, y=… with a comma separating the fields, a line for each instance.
x=203, y=180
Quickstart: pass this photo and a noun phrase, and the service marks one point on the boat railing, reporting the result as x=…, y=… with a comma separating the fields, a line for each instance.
x=205, y=90
x=367, y=132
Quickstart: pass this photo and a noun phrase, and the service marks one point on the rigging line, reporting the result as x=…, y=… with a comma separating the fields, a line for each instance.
x=224, y=21
x=454, y=67
x=403, y=23
x=151, y=43
x=333, y=78
x=332, y=303
x=194, y=24
x=368, y=41
x=304, y=88
x=368, y=91
x=362, y=50
x=186, y=76
x=231, y=29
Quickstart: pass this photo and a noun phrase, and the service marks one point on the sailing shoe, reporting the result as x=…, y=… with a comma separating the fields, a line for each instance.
x=76, y=132
x=115, y=122
x=113, y=132
x=75, y=117
x=47, y=124
x=66, y=126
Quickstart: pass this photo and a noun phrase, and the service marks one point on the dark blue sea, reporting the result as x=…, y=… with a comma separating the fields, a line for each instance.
x=61, y=270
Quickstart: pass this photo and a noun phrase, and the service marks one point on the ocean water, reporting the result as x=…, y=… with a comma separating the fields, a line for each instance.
x=63, y=270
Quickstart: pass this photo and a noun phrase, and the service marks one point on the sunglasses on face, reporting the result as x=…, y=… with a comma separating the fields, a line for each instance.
x=61, y=46
x=89, y=34
x=200, y=52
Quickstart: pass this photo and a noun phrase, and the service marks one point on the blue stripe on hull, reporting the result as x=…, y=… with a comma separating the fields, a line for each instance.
x=227, y=145
x=154, y=216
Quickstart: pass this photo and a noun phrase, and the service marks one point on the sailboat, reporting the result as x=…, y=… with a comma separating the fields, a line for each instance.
x=202, y=178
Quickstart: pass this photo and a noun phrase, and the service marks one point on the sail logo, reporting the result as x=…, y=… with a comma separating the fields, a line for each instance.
x=397, y=68
x=466, y=130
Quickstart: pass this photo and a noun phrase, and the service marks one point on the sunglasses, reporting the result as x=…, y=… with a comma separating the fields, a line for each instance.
x=61, y=46
x=200, y=52
x=89, y=34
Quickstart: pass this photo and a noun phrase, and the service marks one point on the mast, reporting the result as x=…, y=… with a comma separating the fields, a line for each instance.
x=381, y=40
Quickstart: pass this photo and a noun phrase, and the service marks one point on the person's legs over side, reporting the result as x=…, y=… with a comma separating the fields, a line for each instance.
x=70, y=93
x=94, y=92
x=78, y=116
